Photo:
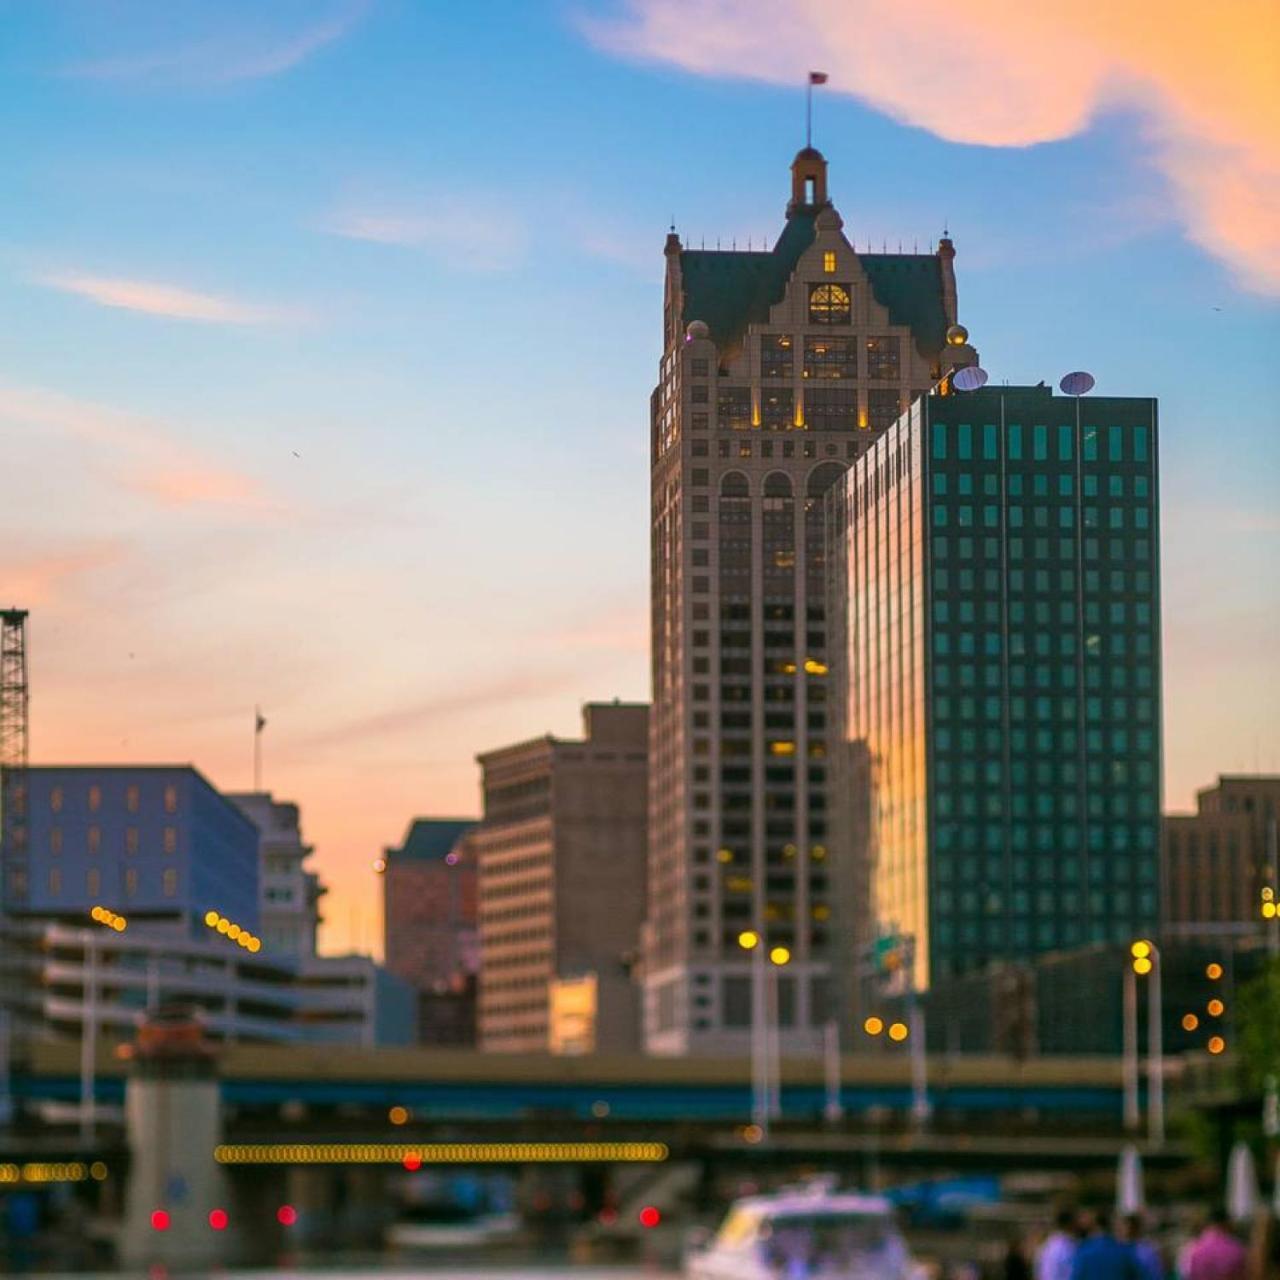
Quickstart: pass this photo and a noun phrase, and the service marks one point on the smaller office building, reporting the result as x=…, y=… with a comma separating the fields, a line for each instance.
x=149, y=842
x=561, y=857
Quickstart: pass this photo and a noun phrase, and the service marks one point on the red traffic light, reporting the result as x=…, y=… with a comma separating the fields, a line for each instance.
x=650, y=1216
x=218, y=1219
x=412, y=1161
x=286, y=1215
x=159, y=1220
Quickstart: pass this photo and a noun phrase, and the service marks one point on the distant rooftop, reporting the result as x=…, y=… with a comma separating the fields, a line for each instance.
x=431, y=839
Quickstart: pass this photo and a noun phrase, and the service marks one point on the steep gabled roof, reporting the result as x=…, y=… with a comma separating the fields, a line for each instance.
x=732, y=289
x=430, y=839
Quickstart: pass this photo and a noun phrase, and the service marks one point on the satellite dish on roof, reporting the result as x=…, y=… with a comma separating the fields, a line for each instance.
x=969, y=378
x=1076, y=384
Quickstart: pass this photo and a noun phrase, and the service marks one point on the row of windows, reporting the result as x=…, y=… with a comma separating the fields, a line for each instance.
x=966, y=515
x=1117, y=486
x=1116, y=550
x=132, y=840
x=1044, y=741
x=829, y=358
x=1123, y=443
x=93, y=799
x=1116, y=836
x=93, y=882
x=991, y=709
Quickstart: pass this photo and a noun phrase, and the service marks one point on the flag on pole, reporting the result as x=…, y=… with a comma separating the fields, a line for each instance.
x=259, y=721
x=817, y=77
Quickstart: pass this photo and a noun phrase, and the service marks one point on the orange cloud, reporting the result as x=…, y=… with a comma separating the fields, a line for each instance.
x=1005, y=73
x=189, y=487
x=36, y=579
x=142, y=455
x=162, y=299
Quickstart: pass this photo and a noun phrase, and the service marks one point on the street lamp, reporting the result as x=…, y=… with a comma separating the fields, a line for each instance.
x=1145, y=962
x=116, y=923
x=749, y=940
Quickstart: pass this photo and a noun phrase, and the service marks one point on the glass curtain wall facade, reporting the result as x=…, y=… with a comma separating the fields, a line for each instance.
x=997, y=572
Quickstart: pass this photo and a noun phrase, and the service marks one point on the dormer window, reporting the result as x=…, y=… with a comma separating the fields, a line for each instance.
x=829, y=262
x=830, y=304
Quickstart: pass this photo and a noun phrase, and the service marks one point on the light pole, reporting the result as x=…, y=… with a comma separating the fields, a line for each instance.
x=1270, y=908
x=1129, y=1063
x=1146, y=963
x=89, y=1016
x=833, y=1111
x=749, y=940
x=779, y=957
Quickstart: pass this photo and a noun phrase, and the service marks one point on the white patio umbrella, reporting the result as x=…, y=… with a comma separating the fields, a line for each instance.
x=1242, y=1184
x=1130, y=1196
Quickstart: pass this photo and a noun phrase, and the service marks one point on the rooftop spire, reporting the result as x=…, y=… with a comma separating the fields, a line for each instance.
x=808, y=182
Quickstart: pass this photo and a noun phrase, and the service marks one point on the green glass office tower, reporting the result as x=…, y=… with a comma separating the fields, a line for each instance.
x=995, y=587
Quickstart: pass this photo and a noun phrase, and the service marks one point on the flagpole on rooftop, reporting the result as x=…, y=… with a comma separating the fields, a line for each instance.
x=259, y=723
x=814, y=77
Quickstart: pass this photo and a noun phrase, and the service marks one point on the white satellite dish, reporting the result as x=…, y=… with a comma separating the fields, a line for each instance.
x=1076, y=384
x=969, y=378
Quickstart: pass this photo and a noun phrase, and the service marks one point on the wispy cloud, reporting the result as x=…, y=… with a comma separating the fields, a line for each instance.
x=1013, y=74
x=228, y=50
x=476, y=233
x=37, y=577
x=157, y=299
x=143, y=456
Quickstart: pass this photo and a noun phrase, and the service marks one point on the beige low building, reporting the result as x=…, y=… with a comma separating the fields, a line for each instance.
x=561, y=858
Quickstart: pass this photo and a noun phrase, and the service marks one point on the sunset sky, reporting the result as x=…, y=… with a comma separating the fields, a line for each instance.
x=327, y=330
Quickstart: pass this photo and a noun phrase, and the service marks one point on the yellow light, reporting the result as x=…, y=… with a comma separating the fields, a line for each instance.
x=119, y=924
x=1213, y=971
x=1215, y=1008
x=211, y=918
x=829, y=261
x=96, y=914
x=724, y=855
x=898, y=1031
x=1190, y=1022
x=440, y=1153
x=98, y=1171
x=787, y=668
x=233, y=932
x=782, y=748
x=398, y=1115
x=1216, y=1044
x=1268, y=910
x=1268, y=894
x=815, y=668
x=748, y=939
x=255, y=945
x=752, y=1133
x=780, y=956
x=1142, y=966
x=1140, y=949
x=818, y=852
x=873, y=1026
x=223, y=924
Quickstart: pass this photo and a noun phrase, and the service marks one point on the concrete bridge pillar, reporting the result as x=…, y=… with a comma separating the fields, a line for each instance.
x=177, y=1196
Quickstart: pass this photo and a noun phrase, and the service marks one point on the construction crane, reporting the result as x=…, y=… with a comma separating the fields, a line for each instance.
x=15, y=743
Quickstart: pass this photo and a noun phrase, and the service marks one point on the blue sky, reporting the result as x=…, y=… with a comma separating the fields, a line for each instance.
x=329, y=329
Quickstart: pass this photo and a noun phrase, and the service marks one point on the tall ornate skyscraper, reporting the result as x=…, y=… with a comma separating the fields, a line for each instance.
x=779, y=368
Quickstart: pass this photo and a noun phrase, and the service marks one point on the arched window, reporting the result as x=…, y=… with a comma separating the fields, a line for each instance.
x=830, y=304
